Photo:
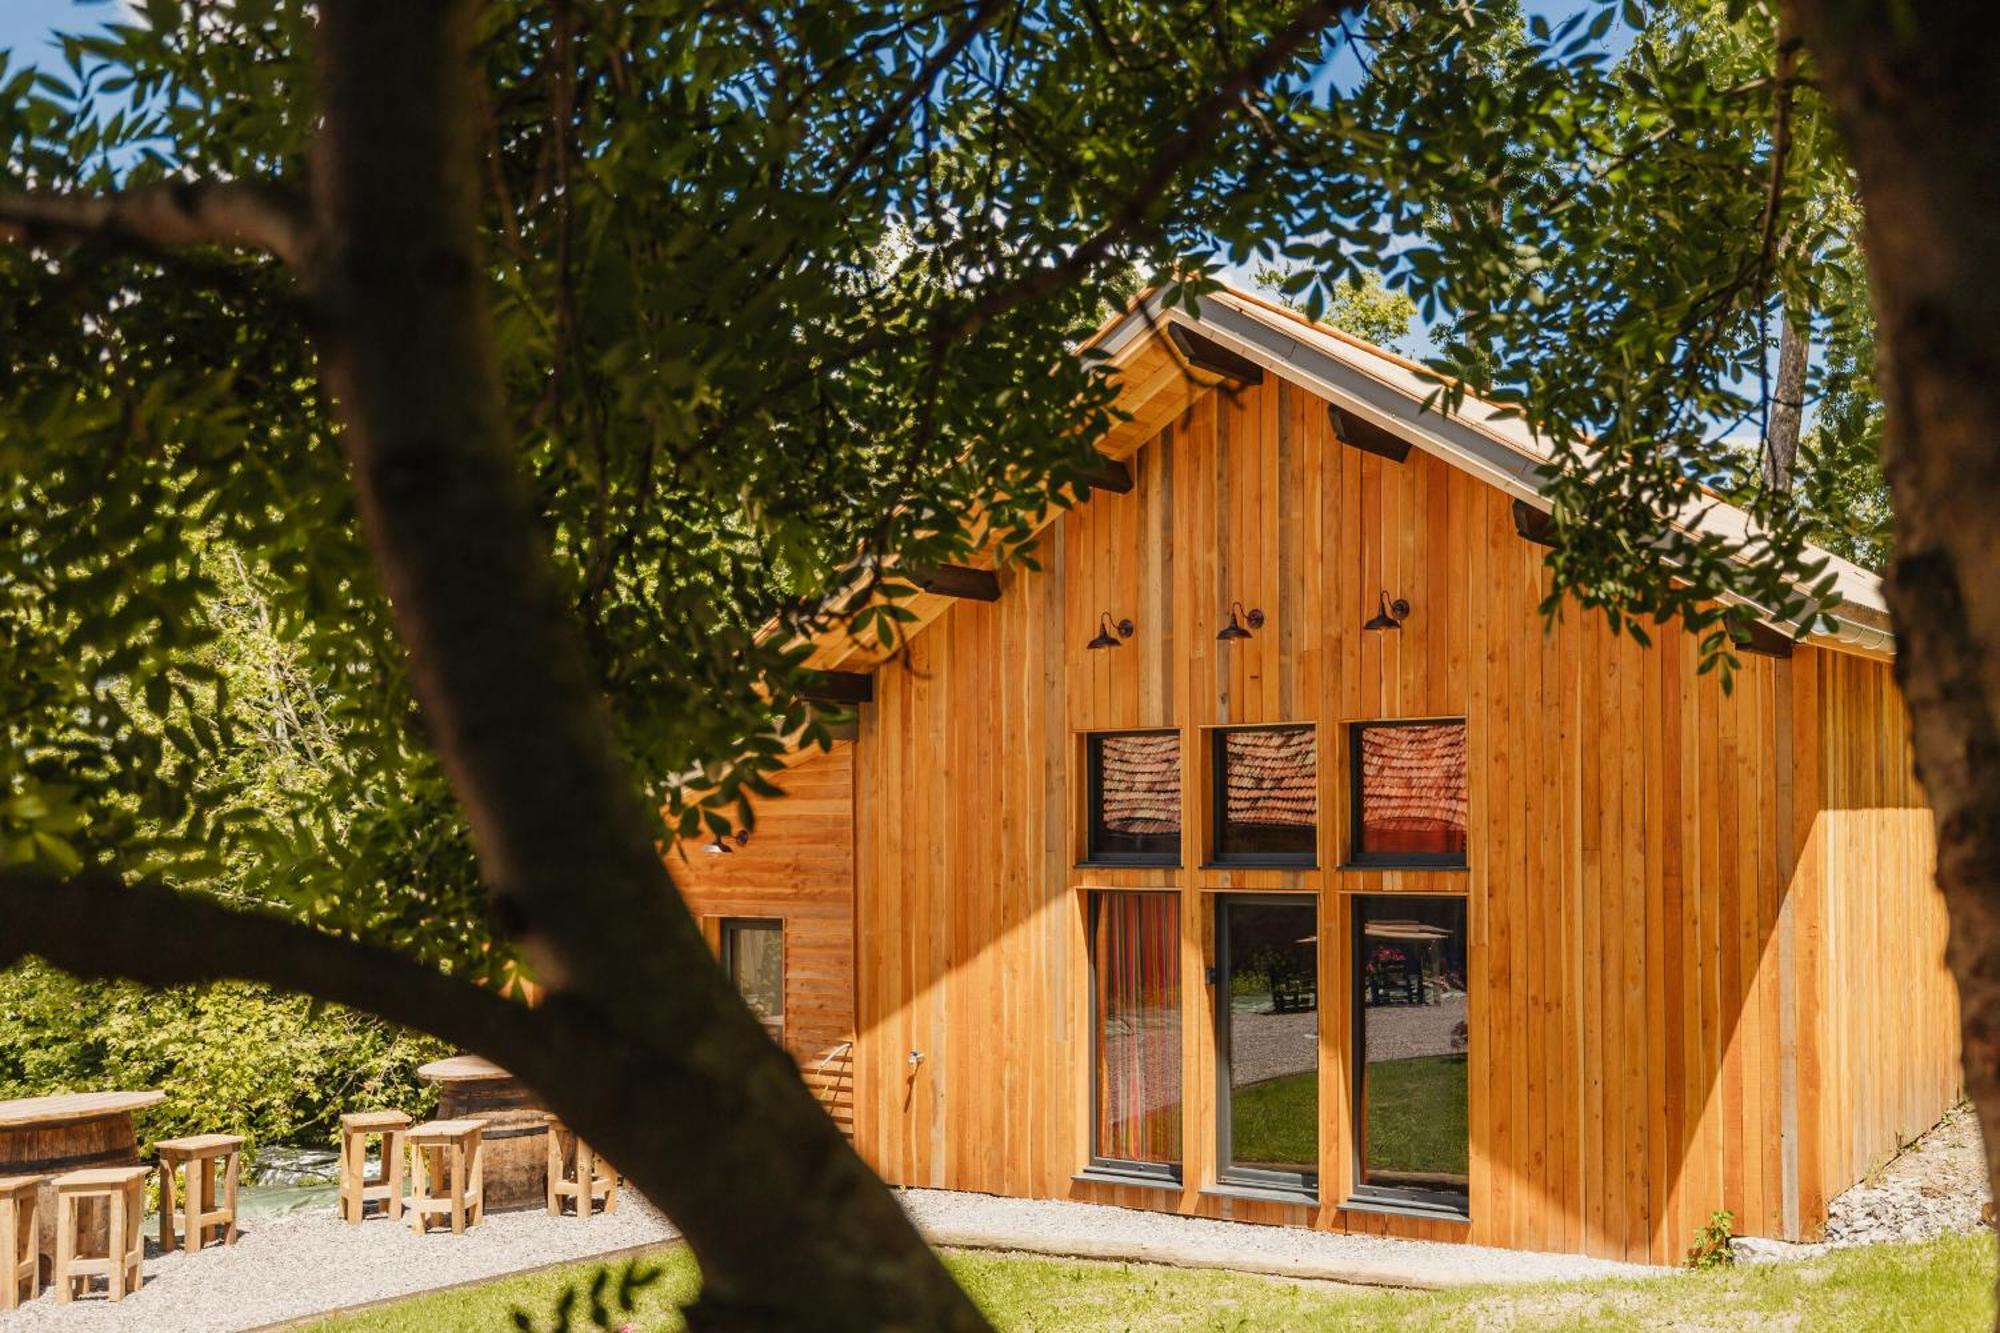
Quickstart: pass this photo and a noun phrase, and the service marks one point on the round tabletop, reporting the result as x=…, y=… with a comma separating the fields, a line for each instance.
x=461, y=1069
x=73, y=1107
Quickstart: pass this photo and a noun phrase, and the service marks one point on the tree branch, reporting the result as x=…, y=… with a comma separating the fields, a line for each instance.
x=948, y=324
x=94, y=925
x=247, y=214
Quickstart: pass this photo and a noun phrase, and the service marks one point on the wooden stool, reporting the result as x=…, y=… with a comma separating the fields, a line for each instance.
x=593, y=1177
x=201, y=1154
x=357, y=1188
x=123, y=1190
x=447, y=1155
x=20, y=1238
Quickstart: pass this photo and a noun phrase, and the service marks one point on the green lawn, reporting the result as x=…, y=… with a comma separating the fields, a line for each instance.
x=1940, y=1285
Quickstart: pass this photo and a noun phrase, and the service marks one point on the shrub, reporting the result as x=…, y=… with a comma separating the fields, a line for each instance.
x=1714, y=1244
x=232, y=1057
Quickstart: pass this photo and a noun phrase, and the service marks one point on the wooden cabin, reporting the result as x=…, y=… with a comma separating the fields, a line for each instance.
x=1266, y=856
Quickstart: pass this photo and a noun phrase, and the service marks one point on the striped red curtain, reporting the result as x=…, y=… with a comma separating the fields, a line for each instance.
x=1136, y=952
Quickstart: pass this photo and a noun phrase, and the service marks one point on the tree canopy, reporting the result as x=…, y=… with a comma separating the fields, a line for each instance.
x=781, y=297
x=773, y=300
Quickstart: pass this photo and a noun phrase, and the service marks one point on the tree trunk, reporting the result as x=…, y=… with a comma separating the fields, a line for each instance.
x=682, y=1089
x=1788, y=402
x=1912, y=87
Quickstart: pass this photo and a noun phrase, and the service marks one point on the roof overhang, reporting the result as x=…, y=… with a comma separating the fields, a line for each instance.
x=1393, y=393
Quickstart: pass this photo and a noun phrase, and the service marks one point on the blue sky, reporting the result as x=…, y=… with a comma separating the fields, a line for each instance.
x=25, y=25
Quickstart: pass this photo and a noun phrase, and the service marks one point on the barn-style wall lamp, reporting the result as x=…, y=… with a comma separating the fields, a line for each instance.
x=1391, y=616
x=720, y=845
x=1234, y=629
x=1110, y=631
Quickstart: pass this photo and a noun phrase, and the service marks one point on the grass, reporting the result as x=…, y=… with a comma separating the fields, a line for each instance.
x=1942, y=1285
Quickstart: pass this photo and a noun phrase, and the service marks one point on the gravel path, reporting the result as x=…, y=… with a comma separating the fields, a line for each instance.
x=1088, y=1230
x=286, y=1268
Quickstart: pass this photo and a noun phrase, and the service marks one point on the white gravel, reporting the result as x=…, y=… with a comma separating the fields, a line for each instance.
x=1934, y=1186
x=285, y=1268
x=1096, y=1231
x=297, y=1266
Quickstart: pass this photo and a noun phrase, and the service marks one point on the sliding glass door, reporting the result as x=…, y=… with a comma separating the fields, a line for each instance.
x=1267, y=1040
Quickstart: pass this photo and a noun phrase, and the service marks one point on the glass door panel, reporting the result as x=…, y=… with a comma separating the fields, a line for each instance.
x=1267, y=1038
x=1410, y=1027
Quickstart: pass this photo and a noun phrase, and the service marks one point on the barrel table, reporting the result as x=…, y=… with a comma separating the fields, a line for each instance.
x=46, y=1136
x=516, y=1135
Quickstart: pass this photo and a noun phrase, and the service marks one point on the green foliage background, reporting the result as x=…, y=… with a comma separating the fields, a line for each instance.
x=234, y=1059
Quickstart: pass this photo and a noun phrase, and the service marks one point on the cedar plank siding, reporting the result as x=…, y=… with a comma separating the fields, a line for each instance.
x=1704, y=951
x=798, y=868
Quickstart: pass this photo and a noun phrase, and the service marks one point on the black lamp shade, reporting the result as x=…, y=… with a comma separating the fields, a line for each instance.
x=1391, y=615
x=1109, y=634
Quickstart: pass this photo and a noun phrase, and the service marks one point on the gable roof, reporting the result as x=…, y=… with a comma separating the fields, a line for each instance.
x=1156, y=384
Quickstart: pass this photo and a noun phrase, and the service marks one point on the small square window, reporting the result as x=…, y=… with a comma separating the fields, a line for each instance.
x=1266, y=796
x=1135, y=798
x=1409, y=794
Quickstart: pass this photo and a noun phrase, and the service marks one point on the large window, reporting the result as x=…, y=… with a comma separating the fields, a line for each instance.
x=1408, y=794
x=1266, y=796
x=1135, y=798
x=753, y=953
x=1267, y=1040
x=1136, y=1032
x=1412, y=1143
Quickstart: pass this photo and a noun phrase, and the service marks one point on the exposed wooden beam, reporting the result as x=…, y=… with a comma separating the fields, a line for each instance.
x=1366, y=436
x=1111, y=475
x=1754, y=636
x=1211, y=356
x=841, y=688
x=1533, y=525
x=977, y=585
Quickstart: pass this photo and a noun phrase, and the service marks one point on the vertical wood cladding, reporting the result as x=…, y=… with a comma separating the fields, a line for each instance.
x=1705, y=963
x=797, y=868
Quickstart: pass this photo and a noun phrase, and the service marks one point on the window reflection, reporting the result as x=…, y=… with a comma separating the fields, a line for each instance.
x=1268, y=987
x=1411, y=1027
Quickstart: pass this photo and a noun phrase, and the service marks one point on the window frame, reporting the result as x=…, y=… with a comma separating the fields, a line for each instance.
x=1099, y=1164
x=1218, y=804
x=1093, y=787
x=1306, y=1184
x=1360, y=859
x=732, y=926
x=1414, y=1200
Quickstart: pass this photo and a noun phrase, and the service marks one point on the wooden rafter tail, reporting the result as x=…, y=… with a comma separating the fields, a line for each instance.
x=977, y=585
x=1110, y=475
x=841, y=688
x=1366, y=436
x=1207, y=354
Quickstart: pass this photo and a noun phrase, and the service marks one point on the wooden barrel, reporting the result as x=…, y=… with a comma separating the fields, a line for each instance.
x=516, y=1137
x=76, y=1145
